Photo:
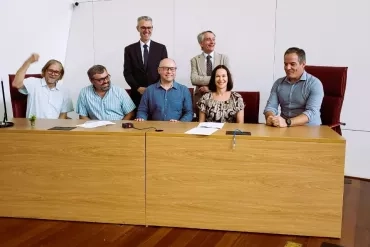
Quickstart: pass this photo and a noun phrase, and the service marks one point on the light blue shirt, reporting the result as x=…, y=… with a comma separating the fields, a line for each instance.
x=163, y=105
x=302, y=97
x=115, y=104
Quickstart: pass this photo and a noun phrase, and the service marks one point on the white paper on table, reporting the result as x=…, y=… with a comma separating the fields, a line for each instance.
x=211, y=125
x=201, y=131
x=94, y=124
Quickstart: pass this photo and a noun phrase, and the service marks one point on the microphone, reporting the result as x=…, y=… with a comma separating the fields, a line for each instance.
x=5, y=123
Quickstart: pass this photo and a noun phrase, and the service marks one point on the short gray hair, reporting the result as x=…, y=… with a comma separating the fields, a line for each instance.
x=300, y=53
x=200, y=36
x=145, y=18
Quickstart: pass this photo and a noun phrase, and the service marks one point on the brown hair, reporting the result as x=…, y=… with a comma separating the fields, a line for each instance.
x=212, y=81
x=48, y=64
x=96, y=69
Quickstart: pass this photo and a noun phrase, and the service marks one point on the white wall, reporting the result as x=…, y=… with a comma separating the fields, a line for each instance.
x=28, y=26
x=253, y=33
x=334, y=33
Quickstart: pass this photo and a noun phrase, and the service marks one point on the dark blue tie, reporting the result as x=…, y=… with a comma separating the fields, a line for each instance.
x=146, y=54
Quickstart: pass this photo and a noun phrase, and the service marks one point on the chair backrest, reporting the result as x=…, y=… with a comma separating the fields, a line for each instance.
x=19, y=101
x=252, y=106
x=334, y=81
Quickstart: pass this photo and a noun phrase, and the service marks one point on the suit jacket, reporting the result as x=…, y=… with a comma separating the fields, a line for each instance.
x=199, y=76
x=133, y=67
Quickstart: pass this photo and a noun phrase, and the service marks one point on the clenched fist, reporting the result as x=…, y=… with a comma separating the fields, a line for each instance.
x=33, y=58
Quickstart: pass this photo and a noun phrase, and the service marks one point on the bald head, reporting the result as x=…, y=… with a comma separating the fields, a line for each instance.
x=167, y=62
x=167, y=70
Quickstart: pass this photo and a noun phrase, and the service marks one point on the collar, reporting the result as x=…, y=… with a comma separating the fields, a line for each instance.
x=43, y=84
x=142, y=43
x=212, y=54
x=302, y=78
x=175, y=85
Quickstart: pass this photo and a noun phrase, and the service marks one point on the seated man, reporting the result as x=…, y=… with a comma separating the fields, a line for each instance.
x=46, y=98
x=103, y=101
x=299, y=94
x=166, y=100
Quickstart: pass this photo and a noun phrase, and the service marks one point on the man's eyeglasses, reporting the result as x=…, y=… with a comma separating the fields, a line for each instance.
x=147, y=28
x=172, y=69
x=55, y=72
x=102, y=80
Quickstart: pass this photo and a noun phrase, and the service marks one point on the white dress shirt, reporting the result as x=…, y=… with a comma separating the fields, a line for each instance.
x=142, y=48
x=212, y=54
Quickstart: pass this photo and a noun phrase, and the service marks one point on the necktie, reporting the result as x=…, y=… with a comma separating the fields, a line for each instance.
x=209, y=65
x=146, y=54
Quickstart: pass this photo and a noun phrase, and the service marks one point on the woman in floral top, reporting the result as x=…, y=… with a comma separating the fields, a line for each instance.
x=221, y=104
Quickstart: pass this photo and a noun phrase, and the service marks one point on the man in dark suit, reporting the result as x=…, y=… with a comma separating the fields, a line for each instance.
x=141, y=61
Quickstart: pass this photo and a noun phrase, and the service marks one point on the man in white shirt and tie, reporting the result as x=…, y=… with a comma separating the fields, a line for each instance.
x=203, y=64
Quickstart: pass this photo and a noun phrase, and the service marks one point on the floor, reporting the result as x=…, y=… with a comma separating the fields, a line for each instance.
x=28, y=232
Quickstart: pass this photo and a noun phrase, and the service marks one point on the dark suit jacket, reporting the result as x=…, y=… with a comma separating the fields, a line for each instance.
x=133, y=67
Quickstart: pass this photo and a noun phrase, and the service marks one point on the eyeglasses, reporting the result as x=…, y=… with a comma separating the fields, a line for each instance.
x=172, y=69
x=102, y=80
x=55, y=72
x=148, y=28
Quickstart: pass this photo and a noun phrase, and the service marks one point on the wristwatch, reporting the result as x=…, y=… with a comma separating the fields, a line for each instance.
x=288, y=122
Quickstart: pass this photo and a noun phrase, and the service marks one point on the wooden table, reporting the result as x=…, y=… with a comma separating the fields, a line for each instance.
x=284, y=181
x=95, y=175
x=287, y=181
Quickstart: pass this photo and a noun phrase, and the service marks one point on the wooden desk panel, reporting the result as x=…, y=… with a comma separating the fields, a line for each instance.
x=290, y=183
x=95, y=175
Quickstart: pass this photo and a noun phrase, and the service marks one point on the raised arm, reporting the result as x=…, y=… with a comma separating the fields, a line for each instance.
x=19, y=76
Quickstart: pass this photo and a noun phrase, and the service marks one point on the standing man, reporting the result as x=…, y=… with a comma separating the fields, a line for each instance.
x=299, y=94
x=46, y=98
x=141, y=60
x=203, y=64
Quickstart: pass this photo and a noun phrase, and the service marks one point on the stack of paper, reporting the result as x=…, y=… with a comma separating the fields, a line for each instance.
x=206, y=128
x=94, y=124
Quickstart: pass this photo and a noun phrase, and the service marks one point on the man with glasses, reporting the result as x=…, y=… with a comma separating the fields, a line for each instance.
x=166, y=100
x=141, y=60
x=46, y=97
x=103, y=101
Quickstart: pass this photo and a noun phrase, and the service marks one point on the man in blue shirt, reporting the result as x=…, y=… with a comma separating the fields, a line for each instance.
x=166, y=100
x=103, y=101
x=299, y=94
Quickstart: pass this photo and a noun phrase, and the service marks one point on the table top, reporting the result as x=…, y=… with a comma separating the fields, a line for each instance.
x=259, y=131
